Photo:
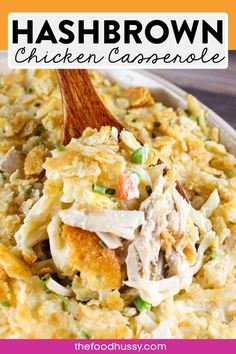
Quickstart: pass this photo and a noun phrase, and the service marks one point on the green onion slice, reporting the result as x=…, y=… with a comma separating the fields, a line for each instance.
x=140, y=155
x=157, y=124
x=60, y=148
x=141, y=305
x=110, y=191
x=99, y=189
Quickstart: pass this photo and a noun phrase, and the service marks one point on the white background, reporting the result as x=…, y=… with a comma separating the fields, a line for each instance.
x=170, y=46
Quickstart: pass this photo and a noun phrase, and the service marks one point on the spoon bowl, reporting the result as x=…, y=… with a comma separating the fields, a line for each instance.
x=82, y=106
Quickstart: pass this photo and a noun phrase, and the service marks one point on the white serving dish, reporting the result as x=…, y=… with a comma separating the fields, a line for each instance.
x=162, y=90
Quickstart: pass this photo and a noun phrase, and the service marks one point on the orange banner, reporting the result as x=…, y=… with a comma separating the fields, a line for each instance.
x=228, y=6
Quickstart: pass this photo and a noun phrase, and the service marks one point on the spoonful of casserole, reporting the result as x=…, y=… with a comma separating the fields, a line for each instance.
x=111, y=209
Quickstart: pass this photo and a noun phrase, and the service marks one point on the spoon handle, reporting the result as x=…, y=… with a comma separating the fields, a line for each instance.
x=82, y=106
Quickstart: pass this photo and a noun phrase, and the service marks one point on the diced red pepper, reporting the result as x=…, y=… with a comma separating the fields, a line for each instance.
x=128, y=186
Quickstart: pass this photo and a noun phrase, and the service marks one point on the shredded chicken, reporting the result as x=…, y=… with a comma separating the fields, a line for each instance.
x=158, y=250
x=163, y=257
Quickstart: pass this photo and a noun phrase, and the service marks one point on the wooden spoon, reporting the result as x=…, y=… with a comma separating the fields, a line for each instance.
x=82, y=106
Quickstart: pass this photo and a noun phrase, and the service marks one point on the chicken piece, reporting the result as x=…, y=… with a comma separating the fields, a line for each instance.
x=138, y=97
x=156, y=254
x=166, y=213
x=34, y=161
x=99, y=265
x=110, y=240
x=12, y=161
x=121, y=223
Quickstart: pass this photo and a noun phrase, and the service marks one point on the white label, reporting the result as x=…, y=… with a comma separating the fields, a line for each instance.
x=118, y=40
